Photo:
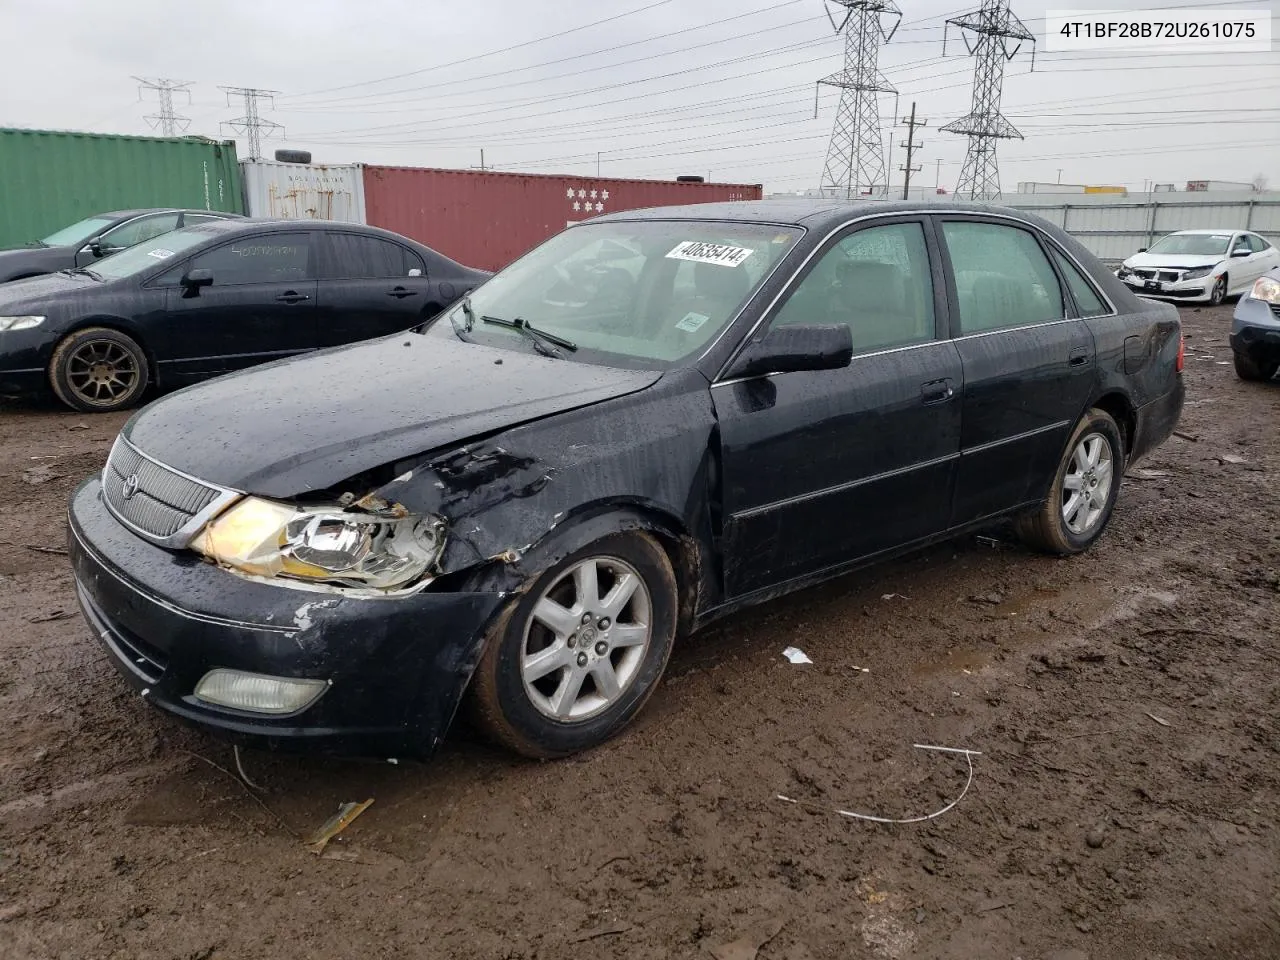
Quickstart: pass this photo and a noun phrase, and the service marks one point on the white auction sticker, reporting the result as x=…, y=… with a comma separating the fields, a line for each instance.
x=700, y=251
x=691, y=322
x=160, y=254
x=1216, y=31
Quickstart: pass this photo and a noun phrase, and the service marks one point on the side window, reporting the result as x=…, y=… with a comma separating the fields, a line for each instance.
x=192, y=219
x=413, y=262
x=1087, y=298
x=1003, y=278
x=876, y=280
x=353, y=257
x=276, y=257
x=1241, y=243
x=1257, y=243
x=137, y=231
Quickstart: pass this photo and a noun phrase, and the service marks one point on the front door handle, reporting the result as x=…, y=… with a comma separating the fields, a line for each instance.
x=292, y=296
x=400, y=293
x=937, y=391
x=1079, y=356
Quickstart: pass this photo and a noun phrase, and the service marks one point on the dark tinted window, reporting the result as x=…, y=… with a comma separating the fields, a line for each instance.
x=276, y=257
x=1003, y=278
x=877, y=281
x=353, y=257
x=1087, y=298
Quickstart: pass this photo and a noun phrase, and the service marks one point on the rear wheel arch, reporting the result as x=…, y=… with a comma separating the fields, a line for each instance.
x=1123, y=412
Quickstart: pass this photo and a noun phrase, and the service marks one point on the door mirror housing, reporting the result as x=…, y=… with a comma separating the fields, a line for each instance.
x=100, y=248
x=796, y=347
x=1142, y=249
x=197, y=278
x=1241, y=252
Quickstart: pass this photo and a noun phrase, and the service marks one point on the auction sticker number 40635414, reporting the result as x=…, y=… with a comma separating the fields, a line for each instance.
x=700, y=251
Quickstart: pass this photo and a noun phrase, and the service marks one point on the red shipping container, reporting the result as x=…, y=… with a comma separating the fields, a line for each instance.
x=486, y=219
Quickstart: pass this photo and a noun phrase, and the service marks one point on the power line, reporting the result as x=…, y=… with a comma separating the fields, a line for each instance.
x=166, y=119
x=252, y=125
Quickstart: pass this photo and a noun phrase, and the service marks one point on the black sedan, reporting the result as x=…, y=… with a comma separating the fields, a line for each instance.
x=209, y=299
x=653, y=419
x=83, y=243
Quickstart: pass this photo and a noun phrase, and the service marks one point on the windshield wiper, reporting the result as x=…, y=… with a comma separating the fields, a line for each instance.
x=459, y=331
x=89, y=273
x=535, y=336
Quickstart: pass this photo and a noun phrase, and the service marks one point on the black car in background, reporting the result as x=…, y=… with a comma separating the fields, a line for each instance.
x=82, y=244
x=651, y=420
x=209, y=299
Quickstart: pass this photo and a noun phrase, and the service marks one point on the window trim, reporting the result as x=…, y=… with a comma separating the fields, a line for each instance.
x=140, y=219
x=309, y=278
x=330, y=256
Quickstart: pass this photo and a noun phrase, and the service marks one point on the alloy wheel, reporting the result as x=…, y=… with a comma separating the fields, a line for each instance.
x=586, y=639
x=100, y=372
x=1086, y=488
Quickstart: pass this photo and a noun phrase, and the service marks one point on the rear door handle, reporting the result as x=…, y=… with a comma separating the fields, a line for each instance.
x=1079, y=356
x=400, y=293
x=292, y=296
x=937, y=391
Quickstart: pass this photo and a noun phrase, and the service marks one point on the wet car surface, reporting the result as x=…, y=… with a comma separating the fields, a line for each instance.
x=528, y=499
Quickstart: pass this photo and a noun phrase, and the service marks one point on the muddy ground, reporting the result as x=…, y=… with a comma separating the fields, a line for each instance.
x=1124, y=806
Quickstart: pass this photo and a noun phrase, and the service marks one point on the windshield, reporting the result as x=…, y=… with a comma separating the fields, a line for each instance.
x=634, y=294
x=148, y=253
x=77, y=232
x=1194, y=244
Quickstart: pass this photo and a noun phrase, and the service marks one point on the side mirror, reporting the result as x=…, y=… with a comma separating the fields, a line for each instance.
x=793, y=348
x=1142, y=249
x=100, y=249
x=197, y=278
x=1241, y=253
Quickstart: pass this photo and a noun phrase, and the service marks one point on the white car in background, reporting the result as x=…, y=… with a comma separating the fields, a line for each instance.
x=1199, y=266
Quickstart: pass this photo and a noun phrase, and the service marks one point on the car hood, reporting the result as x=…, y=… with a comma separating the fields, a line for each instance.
x=1170, y=261
x=36, y=290
x=27, y=259
x=310, y=422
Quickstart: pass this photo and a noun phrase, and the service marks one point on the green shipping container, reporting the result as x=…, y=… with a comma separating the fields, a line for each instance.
x=52, y=178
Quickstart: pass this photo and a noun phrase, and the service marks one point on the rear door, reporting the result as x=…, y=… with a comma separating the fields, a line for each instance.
x=821, y=468
x=260, y=306
x=369, y=286
x=1028, y=364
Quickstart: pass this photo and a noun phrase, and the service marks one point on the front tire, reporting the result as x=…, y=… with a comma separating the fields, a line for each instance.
x=1084, y=489
x=97, y=370
x=576, y=656
x=1248, y=368
x=1219, y=292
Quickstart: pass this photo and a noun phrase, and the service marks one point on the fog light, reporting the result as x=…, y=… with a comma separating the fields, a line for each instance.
x=258, y=693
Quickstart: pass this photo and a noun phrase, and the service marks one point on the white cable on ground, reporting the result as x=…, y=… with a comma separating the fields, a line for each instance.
x=240, y=769
x=968, y=756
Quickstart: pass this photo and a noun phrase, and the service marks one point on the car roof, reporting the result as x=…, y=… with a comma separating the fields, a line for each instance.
x=804, y=212
x=1223, y=230
x=125, y=214
x=245, y=224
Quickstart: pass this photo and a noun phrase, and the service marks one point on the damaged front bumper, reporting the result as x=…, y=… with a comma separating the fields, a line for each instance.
x=396, y=666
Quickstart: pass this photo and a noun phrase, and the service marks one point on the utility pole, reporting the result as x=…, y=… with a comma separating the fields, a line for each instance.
x=855, y=156
x=995, y=27
x=251, y=125
x=911, y=147
x=166, y=120
x=1059, y=174
x=937, y=175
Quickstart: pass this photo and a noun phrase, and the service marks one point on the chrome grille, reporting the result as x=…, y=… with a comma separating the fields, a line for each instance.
x=162, y=502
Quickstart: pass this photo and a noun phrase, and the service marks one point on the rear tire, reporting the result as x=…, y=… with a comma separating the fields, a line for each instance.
x=577, y=654
x=1084, y=490
x=1248, y=368
x=98, y=370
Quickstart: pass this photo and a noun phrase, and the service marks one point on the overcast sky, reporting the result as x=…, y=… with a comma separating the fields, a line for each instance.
x=719, y=87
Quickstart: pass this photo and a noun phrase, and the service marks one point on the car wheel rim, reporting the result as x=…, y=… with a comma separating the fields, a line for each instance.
x=101, y=372
x=1219, y=291
x=585, y=639
x=1086, y=488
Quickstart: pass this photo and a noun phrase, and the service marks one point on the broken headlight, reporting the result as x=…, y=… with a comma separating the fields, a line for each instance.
x=322, y=544
x=1266, y=289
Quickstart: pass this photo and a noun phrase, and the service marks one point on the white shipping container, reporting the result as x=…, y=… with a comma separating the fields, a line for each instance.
x=303, y=191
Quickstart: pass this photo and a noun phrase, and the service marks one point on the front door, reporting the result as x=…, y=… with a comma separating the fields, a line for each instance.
x=822, y=468
x=260, y=306
x=1028, y=367
x=368, y=287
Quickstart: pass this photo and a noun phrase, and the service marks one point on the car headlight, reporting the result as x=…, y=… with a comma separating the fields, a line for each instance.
x=1197, y=272
x=25, y=322
x=1123, y=272
x=322, y=544
x=1266, y=289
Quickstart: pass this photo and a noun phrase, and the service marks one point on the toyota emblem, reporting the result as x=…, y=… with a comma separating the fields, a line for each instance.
x=130, y=486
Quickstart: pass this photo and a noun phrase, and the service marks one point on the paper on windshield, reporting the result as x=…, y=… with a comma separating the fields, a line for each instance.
x=722, y=255
x=691, y=322
x=160, y=253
